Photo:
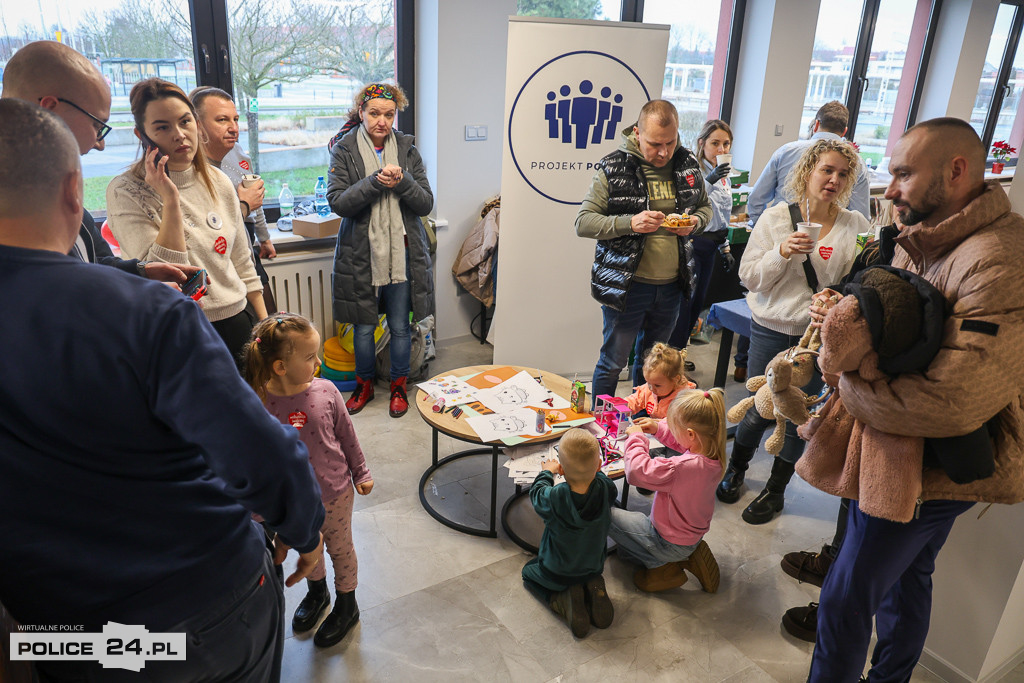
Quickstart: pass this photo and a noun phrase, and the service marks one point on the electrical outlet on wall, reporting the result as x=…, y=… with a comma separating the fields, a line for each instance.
x=778, y=129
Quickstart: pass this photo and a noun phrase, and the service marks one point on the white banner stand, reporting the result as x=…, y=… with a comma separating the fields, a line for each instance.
x=571, y=87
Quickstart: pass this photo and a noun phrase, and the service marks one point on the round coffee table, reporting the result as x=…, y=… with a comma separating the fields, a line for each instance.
x=459, y=429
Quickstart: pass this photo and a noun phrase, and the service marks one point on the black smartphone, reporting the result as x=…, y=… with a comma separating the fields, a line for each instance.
x=195, y=288
x=147, y=145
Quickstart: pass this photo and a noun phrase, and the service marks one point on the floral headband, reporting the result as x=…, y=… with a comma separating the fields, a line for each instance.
x=377, y=90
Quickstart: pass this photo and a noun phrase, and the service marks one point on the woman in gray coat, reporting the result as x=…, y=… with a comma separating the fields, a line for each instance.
x=378, y=185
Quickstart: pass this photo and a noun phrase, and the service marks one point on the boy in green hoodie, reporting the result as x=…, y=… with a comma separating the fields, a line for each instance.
x=566, y=574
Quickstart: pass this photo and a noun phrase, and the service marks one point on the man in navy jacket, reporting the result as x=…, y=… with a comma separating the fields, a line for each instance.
x=131, y=452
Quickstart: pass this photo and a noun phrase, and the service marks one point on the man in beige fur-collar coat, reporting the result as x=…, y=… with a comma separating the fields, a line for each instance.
x=961, y=236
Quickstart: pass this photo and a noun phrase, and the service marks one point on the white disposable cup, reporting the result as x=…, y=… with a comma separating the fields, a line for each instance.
x=724, y=159
x=812, y=230
x=249, y=180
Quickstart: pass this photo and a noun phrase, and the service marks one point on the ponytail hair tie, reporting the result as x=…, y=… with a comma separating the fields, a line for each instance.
x=707, y=394
x=258, y=340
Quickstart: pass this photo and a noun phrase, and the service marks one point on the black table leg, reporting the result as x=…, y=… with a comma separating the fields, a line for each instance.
x=494, y=485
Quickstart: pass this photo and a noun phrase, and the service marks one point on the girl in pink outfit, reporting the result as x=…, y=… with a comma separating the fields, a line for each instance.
x=671, y=539
x=664, y=379
x=280, y=361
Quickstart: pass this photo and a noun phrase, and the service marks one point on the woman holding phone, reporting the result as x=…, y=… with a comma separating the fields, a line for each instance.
x=172, y=206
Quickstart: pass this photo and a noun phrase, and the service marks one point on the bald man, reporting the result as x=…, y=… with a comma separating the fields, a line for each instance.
x=962, y=237
x=63, y=81
x=127, y=476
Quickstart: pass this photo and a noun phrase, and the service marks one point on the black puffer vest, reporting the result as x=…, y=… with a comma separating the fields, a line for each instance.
x=616, y=259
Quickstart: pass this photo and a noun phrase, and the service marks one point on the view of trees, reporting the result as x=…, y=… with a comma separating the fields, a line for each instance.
x=566, y=9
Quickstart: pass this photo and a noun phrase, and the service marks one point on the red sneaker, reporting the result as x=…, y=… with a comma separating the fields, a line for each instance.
x=399, y=401
x=361, y=396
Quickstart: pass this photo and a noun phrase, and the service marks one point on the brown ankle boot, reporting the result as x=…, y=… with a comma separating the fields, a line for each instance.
x=704, y=566
x=361, y=396
x=660, y=578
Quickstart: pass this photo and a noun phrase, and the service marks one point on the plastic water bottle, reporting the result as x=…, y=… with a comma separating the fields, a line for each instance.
x=287, y=202
x=320, y=197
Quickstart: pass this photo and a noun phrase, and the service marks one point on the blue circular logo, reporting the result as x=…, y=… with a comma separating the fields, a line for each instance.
x=567, y=115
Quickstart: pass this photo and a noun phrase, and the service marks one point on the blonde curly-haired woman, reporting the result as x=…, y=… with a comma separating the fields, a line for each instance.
x=773, y=271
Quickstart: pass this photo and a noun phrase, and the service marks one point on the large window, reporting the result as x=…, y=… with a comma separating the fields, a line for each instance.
x=296, y=67
x=995, y=107
x=691, y=56
x=835, y=42
x=873, y=120
x=860, y=49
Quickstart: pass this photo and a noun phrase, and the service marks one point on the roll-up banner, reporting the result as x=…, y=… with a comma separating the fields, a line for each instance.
x=571, y=87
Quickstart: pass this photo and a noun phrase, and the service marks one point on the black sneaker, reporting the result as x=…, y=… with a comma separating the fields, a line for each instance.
x=802, y=622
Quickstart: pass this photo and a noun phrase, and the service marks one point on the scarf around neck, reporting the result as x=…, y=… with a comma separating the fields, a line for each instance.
x=386, y=230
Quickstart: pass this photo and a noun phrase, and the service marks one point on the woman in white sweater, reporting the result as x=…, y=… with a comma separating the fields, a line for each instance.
x=772, y=269
x=172, y=206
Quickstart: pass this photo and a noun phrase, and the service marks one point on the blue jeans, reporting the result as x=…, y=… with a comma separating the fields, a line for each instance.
x=884, y=570
x=397, y=305
x=640, y=543
x=764, y=345
x=651, y=311
x=704, y=253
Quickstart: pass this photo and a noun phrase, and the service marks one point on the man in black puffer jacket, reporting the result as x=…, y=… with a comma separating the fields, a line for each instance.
x=641, y=268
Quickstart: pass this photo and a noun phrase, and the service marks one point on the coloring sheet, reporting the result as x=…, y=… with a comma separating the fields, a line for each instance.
x=452, y=389
x=518, y=392
x=505, y=424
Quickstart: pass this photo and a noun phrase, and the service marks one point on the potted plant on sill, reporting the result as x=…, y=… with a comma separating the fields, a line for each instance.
x=1001, y=151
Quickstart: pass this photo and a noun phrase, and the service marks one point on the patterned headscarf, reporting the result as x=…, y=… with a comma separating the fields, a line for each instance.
x=376, y=90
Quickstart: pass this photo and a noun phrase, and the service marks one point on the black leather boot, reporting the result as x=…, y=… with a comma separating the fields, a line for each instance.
x=770, y=501
x=729, y=490
x=339, y=622
x=312, y=607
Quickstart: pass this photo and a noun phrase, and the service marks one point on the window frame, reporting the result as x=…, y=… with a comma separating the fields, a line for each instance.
x=1002, y=82
x=212, y=55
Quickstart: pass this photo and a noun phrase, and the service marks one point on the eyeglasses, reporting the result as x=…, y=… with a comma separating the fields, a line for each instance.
x=101, y=127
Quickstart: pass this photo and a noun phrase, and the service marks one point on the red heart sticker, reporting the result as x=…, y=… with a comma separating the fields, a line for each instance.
x=221, y=245
x=244, y=164
x=825, y=253
x=297, y=419
x=689, y=179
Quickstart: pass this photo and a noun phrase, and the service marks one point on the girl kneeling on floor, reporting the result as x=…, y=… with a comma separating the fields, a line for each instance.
x=279, y=364
x=671, y=539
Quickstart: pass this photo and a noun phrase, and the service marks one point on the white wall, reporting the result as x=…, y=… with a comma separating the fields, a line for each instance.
x=778, y=37
x=460, y=81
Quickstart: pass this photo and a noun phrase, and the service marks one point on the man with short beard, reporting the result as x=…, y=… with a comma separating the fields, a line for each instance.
x=962, y=237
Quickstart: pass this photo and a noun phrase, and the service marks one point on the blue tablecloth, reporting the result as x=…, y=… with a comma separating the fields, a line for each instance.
x=733, y=315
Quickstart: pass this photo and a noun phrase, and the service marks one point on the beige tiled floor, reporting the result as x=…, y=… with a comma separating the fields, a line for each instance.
x=438, y=605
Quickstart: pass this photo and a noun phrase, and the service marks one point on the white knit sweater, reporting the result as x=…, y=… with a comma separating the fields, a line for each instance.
x=779, y=294
x=134, y=212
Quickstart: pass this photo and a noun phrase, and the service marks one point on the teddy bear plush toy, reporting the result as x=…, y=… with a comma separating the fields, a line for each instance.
x=890, y=322
x=777, y=393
